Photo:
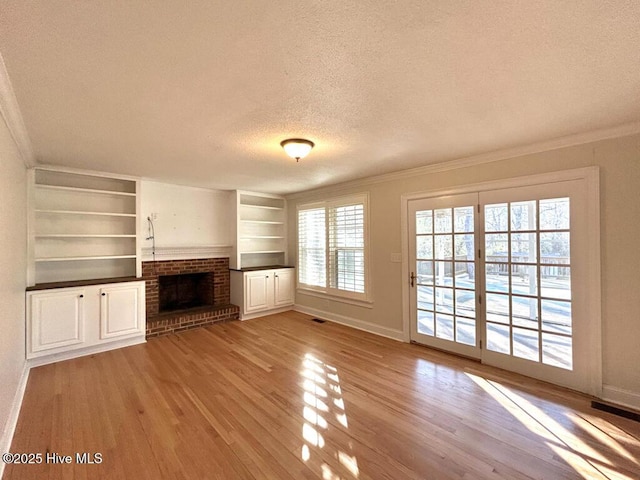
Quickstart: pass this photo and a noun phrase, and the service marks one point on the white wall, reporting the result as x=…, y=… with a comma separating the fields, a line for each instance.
x=13, y=268
x=186, y=216
x=619, y=162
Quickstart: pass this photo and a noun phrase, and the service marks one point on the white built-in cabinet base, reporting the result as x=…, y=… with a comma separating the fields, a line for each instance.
x=64, y=323
x=262, y=292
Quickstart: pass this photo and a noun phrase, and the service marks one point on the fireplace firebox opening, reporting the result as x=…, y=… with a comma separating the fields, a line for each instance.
x=185, y=291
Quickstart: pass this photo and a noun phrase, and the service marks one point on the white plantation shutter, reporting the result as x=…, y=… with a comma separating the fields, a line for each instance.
x=332, y=246
x=346, y=247
x=312, y=256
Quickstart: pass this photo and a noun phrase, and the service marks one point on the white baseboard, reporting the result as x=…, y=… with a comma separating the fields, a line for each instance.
x=81, y=352
x=353, y=322
x=14, y=413
x=624, y=398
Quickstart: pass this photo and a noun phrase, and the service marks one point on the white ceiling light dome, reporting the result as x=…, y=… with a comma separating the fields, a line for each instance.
x=297, y=147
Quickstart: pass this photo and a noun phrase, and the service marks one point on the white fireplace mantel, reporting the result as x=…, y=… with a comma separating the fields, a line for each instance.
x=185, y=252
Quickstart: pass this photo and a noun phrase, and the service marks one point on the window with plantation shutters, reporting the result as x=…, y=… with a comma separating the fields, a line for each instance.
x=332, y=247
x=346, y=247
x=312, y=247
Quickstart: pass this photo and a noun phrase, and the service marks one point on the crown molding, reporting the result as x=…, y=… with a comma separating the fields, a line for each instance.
x=619, y=131
x=185, y=252
x=10, y=112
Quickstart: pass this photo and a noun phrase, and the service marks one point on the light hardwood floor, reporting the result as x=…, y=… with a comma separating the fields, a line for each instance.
x=282, y=397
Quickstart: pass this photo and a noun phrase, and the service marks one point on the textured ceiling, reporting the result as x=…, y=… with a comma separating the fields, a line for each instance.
x=202, y=92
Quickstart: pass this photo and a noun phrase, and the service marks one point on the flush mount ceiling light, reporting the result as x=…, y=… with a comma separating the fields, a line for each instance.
x=297, y=147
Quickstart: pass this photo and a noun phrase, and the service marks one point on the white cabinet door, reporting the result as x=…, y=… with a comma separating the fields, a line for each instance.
x=56, y=319
x=260, y=291
x=121, y=310
x=68, y=322
x=257, y=291
x=283, y=287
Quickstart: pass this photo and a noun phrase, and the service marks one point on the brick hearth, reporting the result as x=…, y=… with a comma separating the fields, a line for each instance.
x=162, y=324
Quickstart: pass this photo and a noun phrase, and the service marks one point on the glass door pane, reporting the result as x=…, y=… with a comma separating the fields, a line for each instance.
x=528, y=280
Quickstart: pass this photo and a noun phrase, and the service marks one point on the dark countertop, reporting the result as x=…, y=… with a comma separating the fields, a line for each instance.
x=255, y=269
x=81, y=283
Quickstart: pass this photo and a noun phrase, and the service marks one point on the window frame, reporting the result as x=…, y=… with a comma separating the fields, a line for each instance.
x=327, y=291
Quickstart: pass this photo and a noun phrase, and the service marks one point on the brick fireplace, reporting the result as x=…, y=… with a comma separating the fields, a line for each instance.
x=213, y=288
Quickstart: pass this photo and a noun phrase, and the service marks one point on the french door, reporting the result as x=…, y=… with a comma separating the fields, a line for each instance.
x=444, y=300
x=499, y=275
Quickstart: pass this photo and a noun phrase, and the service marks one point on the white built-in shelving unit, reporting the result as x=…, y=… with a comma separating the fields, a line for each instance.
x=81, y=227
x=260, y=230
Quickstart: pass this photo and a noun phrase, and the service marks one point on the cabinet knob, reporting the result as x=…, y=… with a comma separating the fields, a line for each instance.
x=103, y=294
x=276, y=276
x=81, y=296
x=266, y=276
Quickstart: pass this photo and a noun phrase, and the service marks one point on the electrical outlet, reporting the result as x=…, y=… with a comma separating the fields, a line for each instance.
x=396, y=258
x=154, y=216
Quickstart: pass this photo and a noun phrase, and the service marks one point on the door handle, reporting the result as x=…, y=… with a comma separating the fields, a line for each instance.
x=413, y=278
